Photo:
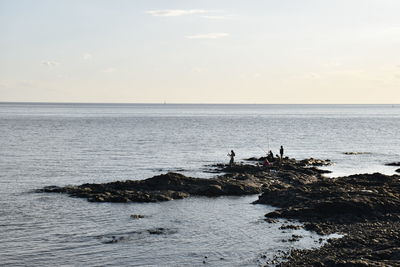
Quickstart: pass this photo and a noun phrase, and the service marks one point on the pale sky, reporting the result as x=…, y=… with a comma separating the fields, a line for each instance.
x=204, y=51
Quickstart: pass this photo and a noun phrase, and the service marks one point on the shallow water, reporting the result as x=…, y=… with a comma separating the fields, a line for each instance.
x=59, y=144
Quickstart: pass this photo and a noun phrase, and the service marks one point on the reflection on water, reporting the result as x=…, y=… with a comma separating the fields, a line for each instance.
x=52, y=144
x=224, y=231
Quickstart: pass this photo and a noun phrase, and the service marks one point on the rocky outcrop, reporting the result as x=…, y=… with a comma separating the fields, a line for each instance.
x=356, y=153
x=161, y=188
x=346, y=199
x=289, y=161
x=238, y=179
x=365, y=244
x=364, y=207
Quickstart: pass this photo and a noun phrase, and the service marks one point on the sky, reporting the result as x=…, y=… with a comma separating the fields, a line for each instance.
x=204, y=51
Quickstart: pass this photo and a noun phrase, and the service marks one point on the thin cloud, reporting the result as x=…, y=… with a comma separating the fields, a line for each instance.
x=175, y=12
x=109, y=70
x=50, y=63
x=199, y=70
x=208, y=36
x=218, y=17
x=87, y=56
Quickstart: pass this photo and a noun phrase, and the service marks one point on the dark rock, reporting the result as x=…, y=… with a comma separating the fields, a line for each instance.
x=253, y=159
x=398, y=170
x=295, y=238
x=239, y=179
x=161, y=188
x=290, y=226
x=356, y=153
x=114, y=239
x=393, y=164
x=137, y=216
x=316, y=162
x=365, y=208
x=161, y=231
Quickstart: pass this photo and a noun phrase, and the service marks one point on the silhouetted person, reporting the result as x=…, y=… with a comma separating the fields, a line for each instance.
x=281, y=152
x=270, y=156
x=232, y=155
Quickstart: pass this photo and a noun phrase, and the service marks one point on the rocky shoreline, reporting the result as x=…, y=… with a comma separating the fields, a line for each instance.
x=241, y=179
x=365, y=208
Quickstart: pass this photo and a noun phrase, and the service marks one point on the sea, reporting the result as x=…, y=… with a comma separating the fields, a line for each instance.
x=44, y=144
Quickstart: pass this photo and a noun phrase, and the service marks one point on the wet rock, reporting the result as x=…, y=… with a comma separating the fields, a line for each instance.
x=137, y=216
x=352, y=198
x=156, y=231
x=295, y=238
x=365, y=244
x=290, y=226
x=114, y=239
x=393, y=164
x=364, y=207
x=52, y=189
x=356, y=153
x=253, y=159
x=161, y=231
x=269, y=220
x=161, y=188
x=316, y=162
x=238, y=179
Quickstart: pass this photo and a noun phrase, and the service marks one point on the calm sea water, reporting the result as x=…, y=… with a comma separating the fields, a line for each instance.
x=60, y=144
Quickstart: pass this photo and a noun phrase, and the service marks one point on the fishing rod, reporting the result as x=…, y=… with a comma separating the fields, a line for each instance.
x=263, y=149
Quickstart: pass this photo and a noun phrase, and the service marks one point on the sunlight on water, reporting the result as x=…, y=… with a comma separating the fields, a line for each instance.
x=59, y=144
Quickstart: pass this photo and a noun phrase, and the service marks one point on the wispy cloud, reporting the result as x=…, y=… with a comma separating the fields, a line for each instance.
x=175, y=12
x=50, y=63
x=208, y=36
x=217, y=17
x=109, y=70
x=20, y=84
x=87, y=56
x=199, y=70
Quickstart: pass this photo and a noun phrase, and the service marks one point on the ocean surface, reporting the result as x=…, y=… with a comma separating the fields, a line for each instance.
x=61, y=144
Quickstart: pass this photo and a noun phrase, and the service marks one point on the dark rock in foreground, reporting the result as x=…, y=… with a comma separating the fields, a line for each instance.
x=365, y=244
x=340, y=200
x=365, y=207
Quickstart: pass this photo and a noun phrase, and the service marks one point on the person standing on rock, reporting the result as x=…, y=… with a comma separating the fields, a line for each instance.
x=232, y=155
x=281, y=152
x=270, y=156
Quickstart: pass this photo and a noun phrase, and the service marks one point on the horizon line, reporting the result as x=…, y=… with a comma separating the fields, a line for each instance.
x=186, y=103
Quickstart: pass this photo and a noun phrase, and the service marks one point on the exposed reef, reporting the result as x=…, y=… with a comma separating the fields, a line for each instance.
x=356, y=153
x=393, y=164
x=238, y=179
x=160, y=188
x=365, y=208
